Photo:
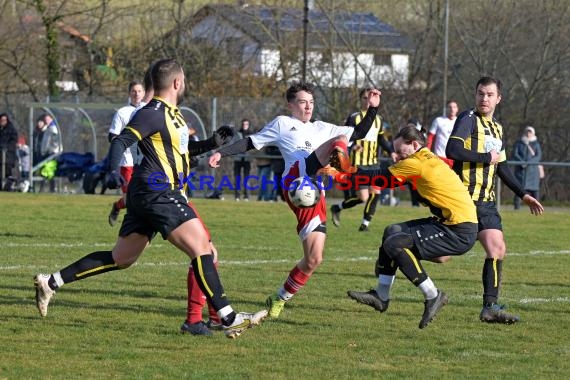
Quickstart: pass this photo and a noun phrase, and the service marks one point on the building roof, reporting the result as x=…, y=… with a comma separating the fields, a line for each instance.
x=264, y=24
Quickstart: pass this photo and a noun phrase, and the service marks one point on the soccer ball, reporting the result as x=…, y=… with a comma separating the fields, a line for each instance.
x=304, y=192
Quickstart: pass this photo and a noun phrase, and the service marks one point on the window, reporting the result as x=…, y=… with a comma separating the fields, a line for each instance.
x=382, y=59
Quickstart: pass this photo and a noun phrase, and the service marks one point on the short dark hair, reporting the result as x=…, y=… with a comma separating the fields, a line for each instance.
x=366, y=89
x=296, y=87
x=147, y=80
x=409, y=134
x=485, y=81
x=133, y=84
x=163, y=73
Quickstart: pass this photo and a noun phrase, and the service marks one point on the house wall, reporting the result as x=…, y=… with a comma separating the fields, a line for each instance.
x=343, y=71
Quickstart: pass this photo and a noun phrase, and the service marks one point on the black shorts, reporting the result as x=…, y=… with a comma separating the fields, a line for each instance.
x=434, y=239
x=488, y=216
x=155, y=211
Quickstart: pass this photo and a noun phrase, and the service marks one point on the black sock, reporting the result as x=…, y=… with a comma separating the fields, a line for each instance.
x=386, y=265
x=492, y=272
x=410, y=265
x=350, y=202
x=93, y=264
x=370, y=207
x=209, y=281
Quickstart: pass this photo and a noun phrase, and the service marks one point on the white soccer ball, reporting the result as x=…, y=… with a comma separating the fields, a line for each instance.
x=304, y=192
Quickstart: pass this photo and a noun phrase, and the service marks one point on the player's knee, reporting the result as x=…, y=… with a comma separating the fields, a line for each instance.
x=392, y=229
x=313, y=263
x=396, y=242
x=497, y=249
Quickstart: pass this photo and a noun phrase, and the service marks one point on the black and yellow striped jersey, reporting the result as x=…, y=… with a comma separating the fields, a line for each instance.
x=479, y=135
x=163, y=138
x=368, y=154
x=438, y=187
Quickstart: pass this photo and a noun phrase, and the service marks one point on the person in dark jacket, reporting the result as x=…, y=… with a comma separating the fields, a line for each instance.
x=527, y=149
x=8, y=146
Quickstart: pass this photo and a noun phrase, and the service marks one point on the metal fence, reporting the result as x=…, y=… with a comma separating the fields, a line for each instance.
x=84, y=128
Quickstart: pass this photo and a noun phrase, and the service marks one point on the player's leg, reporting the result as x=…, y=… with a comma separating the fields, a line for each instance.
x=192, y=238
x=373, y=195
x=335, y=152
x=313, y=247
x=124, y=254
x=379, y=298
x=311, y=228
x=353, y=199
x=494, y=245
x=194, y=323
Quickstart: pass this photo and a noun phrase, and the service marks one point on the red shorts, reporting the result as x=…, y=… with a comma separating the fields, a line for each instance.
x=308, y=219
x=126, y=173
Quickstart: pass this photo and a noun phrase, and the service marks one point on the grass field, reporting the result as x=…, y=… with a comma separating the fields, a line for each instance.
x=125, y=324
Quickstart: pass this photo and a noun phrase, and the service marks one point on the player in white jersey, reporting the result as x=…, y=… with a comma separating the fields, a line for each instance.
x=308, y=147
x=440, y=131
x=128, y=161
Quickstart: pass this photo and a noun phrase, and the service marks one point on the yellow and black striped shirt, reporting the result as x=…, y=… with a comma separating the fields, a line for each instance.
x=163, y=138
x=368, y=152
x=479, y=135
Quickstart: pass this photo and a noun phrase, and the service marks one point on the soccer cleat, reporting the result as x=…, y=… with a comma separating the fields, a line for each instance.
x=113, y=215
x=341, y=162
x=369, y=298
x=243, y=322
x=432, y=307
x=214, y=326
x=363, y=228
x=198, y=328
x=275, y=305
x=43, y=293
x=335, y=211
x=495, y=313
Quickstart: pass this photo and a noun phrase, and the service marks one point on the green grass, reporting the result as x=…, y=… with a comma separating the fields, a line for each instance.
x=125, y=324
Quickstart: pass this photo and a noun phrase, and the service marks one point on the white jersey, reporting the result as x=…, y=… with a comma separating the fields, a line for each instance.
x=441, y=128
x=120, y=120
x=297, y=140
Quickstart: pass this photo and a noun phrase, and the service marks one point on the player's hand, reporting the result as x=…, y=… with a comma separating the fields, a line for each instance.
x=535, y=206
x=223, y=135
x=214, y=160
x=114, y=180
x=394, y=156
x=494, y=157
x=374, y=97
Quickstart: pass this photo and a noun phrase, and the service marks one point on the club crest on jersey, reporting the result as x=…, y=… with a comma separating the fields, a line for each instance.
x=292, y=129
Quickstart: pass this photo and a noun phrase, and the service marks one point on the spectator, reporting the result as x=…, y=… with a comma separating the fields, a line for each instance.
x=8, y=142
x=24, y=163
x=264, y=193
x=242, y=164
x=46, y=144
x=277, y=167
x=527, y=149
x=441, y=129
